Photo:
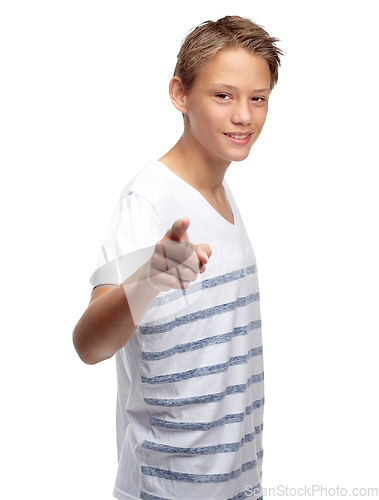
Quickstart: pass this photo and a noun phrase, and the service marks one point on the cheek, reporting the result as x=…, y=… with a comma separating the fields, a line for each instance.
x=204, y=121
x=198, y=115
x=260, y=118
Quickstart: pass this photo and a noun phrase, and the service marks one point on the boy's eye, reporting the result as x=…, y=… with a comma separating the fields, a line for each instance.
x=259, y=99
x=223, y=97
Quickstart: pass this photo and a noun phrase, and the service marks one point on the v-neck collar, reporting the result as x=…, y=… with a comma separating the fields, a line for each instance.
x=185, y=185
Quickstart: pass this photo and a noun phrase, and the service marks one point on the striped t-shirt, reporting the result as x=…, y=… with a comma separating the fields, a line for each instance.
x=190, y=380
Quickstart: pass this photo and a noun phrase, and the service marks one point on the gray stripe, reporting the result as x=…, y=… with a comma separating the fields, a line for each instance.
x=200, y=344
x=204, y=371
x=203, y=285
x=206, y=398
x=199, y=315
x=199, y=478
x=148, y=496
x=200, y=450
x=206, y=426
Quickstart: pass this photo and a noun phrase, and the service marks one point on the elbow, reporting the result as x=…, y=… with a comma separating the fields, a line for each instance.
x=84, y=351
x=87, y=359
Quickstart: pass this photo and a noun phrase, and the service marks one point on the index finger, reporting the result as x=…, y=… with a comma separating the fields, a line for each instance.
x=178, y=230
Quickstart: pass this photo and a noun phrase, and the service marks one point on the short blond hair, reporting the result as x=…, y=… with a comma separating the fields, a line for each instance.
x=204, y=41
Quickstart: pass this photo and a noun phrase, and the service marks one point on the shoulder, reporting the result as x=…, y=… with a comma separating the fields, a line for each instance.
x=150, y=184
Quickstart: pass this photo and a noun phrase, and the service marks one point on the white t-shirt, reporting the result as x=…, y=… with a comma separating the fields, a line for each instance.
x=190, y=381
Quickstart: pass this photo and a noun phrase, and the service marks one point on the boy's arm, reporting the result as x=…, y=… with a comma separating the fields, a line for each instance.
x=108, y=323
x=114, y=312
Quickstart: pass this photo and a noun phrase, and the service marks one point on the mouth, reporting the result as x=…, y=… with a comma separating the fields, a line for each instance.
x=239, y=137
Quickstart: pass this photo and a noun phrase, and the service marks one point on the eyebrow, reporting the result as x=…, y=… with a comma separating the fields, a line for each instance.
x=231, y=87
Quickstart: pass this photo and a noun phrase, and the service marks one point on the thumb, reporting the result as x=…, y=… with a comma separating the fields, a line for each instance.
x=203, y=251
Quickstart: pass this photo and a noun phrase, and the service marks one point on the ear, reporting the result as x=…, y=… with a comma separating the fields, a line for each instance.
x=178, y=94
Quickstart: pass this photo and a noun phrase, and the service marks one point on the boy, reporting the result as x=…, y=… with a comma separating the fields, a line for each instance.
x=182, y=317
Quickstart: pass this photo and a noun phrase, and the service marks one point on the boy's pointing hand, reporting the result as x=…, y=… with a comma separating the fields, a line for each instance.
x=176, y=262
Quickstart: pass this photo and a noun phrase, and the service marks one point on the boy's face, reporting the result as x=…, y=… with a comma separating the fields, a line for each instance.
x=227, y=105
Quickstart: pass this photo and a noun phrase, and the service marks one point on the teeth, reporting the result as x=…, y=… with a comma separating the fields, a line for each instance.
x=239, y=136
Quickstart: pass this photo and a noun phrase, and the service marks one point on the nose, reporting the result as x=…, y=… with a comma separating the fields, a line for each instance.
x=242, y=113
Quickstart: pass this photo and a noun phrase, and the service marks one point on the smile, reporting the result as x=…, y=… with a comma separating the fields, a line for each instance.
x=239, y=138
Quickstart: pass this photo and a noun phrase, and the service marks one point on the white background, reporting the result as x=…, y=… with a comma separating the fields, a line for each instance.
x=84, y=105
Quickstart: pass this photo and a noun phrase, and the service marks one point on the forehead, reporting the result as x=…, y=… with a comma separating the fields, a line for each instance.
x=235, y=67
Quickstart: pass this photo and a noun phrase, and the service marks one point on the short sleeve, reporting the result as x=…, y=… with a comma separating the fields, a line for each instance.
x=130, y=240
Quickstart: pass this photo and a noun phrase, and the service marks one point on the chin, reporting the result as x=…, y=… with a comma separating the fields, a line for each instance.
x=239, y=157
x=236, y=160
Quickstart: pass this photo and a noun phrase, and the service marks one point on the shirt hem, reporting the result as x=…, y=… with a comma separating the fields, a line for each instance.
x=120, y=495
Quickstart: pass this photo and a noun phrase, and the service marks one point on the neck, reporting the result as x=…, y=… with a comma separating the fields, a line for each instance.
x=204, y=173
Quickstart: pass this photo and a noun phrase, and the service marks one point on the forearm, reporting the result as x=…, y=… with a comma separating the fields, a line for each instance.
x=110, y=320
